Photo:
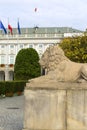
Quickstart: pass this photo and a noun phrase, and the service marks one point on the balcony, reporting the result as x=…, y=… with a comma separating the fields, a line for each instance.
x=2, y=65
x=27, y=36
x=11, y=65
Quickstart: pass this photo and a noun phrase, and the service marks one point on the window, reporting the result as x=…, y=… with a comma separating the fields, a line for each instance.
x=21, y=46
x=11, y=46
x=40, y=45
x=11, y=59
x=2, y=46
x=2, y=49
x=30, y=46
x=2, y=59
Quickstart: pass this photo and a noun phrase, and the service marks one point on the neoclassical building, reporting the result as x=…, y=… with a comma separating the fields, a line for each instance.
x=38, y=38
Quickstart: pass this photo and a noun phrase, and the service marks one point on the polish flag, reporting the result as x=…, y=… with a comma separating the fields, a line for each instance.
x=35, y=9
x=10, y=28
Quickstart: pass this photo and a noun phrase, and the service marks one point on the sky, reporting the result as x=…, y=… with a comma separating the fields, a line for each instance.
x=50, y=13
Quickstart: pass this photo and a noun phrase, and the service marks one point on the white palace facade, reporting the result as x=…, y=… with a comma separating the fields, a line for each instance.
x=37, y=38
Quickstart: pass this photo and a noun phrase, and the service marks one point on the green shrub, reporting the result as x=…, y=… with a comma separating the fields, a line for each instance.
x=2, y=88
x=27, y=64
x=11, y=87
x=19, y=86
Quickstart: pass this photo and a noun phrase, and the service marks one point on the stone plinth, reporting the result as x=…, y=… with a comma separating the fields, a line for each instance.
x=56, y=106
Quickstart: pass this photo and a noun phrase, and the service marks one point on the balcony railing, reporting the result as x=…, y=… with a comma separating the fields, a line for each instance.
x=16, y=36
x=2, y=65
x=11, y=65
x=5, y=65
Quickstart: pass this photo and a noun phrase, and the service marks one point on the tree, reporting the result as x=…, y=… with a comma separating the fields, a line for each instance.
x=26, y=64
x=75, y=48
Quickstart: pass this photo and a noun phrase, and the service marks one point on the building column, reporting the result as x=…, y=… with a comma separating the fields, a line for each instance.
x=6, y=73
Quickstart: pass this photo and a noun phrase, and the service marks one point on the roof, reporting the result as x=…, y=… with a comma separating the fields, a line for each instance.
x=45, y=30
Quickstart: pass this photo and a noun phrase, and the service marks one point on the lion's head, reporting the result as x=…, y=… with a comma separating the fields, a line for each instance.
x=52, y=57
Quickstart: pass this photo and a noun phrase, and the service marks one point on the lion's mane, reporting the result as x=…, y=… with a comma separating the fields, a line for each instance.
x=52, y=57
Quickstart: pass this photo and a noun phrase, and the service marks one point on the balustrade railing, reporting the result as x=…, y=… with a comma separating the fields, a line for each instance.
x=16, y=36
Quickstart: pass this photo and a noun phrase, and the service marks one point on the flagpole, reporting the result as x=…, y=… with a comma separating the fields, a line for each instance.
x=36, y=25
x=18, y=19
x=35, y=16
x=8, y=20
x=7, y=26
x=7, y=58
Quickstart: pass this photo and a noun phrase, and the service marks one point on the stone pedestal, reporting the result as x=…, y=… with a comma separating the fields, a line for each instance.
x=56, y=106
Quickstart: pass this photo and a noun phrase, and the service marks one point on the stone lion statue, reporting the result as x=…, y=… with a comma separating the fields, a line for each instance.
x=59, y=68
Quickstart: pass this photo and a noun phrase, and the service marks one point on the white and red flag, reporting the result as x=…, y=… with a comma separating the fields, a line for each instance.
x=10, y=28
x=35, y=9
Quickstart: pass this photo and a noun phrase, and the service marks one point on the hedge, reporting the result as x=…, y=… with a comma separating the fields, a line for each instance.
x=12, y=87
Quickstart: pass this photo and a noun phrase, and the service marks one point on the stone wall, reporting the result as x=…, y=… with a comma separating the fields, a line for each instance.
x=62, y=106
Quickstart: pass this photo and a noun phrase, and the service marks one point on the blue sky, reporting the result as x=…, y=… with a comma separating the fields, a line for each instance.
x=50, y=13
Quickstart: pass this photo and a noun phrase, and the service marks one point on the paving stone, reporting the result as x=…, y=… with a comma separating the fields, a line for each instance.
x=11, y=113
